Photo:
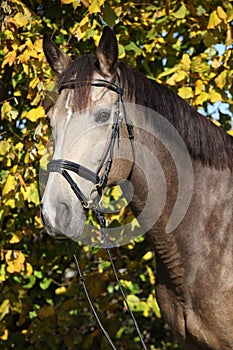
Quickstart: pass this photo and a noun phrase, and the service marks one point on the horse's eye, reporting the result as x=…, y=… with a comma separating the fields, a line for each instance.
x=102, y=116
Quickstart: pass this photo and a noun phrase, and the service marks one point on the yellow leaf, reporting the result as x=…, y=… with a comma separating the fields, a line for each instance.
x=85, y=3
x=181, y=12
x=167, y=72
x=221, y=79
x=27, y=157
x=8, y=112
x=4, y=147
x=126, y=284
x=38, y=45
x=35, y=113
x=116, y=192
x=9, y=185
x=181, y=75
x=25, y=56
x=26, y=68
x=201, y=98
x=29, y=269
x=152, y=303
x=60, y=290
x=95, y=6
x=38, y=222
x=185, y=62
x=15, y=261
x=6, y=107
x=221, y=13
x=5, y=335
x=172, y=80
x=37, y=99
x=215, y=96
x=16, y=238
x=134, y=223
x=151, y=275
x=228, y=37
x=19, y=146
x=185, y=92
x=21, y=180
x=214, y=121
x=67, y=1
x=19, y=262
x=4, y=308
x=230, y=132
x=198, y=87
x=22, y=19
x=33, y=83
x=148, y=256
x=214, y=20
x=9, y=58
x=32, y=193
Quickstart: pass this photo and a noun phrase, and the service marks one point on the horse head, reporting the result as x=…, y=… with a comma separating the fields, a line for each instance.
x=87, y=120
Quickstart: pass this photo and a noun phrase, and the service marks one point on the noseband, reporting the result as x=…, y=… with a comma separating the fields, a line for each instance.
x=62, y=166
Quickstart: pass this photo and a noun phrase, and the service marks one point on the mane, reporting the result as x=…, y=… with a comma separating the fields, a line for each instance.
x=204, y=140
x=80, y=72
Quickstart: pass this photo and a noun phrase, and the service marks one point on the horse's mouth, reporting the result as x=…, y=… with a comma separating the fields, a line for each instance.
x=52, y=231
x=69, y=231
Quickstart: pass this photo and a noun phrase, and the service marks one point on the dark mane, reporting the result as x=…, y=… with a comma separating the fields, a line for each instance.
x=204, y=140
x=80, y=72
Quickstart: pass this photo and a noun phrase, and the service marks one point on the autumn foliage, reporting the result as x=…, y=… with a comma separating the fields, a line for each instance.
x=186, y=45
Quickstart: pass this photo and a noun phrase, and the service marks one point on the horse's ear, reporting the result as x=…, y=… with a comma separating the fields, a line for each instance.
x=107, y=52
x=57, y=59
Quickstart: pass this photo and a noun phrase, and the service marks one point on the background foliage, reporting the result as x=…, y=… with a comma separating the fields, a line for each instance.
x=184, y=44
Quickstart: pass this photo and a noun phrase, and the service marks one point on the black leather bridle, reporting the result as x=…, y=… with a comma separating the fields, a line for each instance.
x=62, y=166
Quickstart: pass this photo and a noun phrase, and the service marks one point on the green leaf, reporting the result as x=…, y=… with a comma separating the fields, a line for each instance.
x=45, y=283
x=132, y=46
x=31, y=282
x=109, y=15
x=33, y=194
x=181, y=12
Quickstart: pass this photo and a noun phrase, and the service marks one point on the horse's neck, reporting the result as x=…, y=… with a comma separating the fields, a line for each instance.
x=210, y=202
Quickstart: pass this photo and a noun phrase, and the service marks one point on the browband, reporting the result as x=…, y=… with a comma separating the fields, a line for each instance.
x=72, y=84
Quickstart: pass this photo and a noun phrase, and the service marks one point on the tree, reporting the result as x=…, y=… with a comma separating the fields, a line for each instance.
x=185, y=45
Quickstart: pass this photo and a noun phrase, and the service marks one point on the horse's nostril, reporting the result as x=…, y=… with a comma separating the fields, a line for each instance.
x=63, y=216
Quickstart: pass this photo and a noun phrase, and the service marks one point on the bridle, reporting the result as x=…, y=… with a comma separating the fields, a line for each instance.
x=62, y=167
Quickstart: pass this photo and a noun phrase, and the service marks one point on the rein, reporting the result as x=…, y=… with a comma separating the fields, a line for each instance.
x=63, y=166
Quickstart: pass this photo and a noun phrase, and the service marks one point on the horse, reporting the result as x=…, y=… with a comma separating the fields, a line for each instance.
x=113, y=125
